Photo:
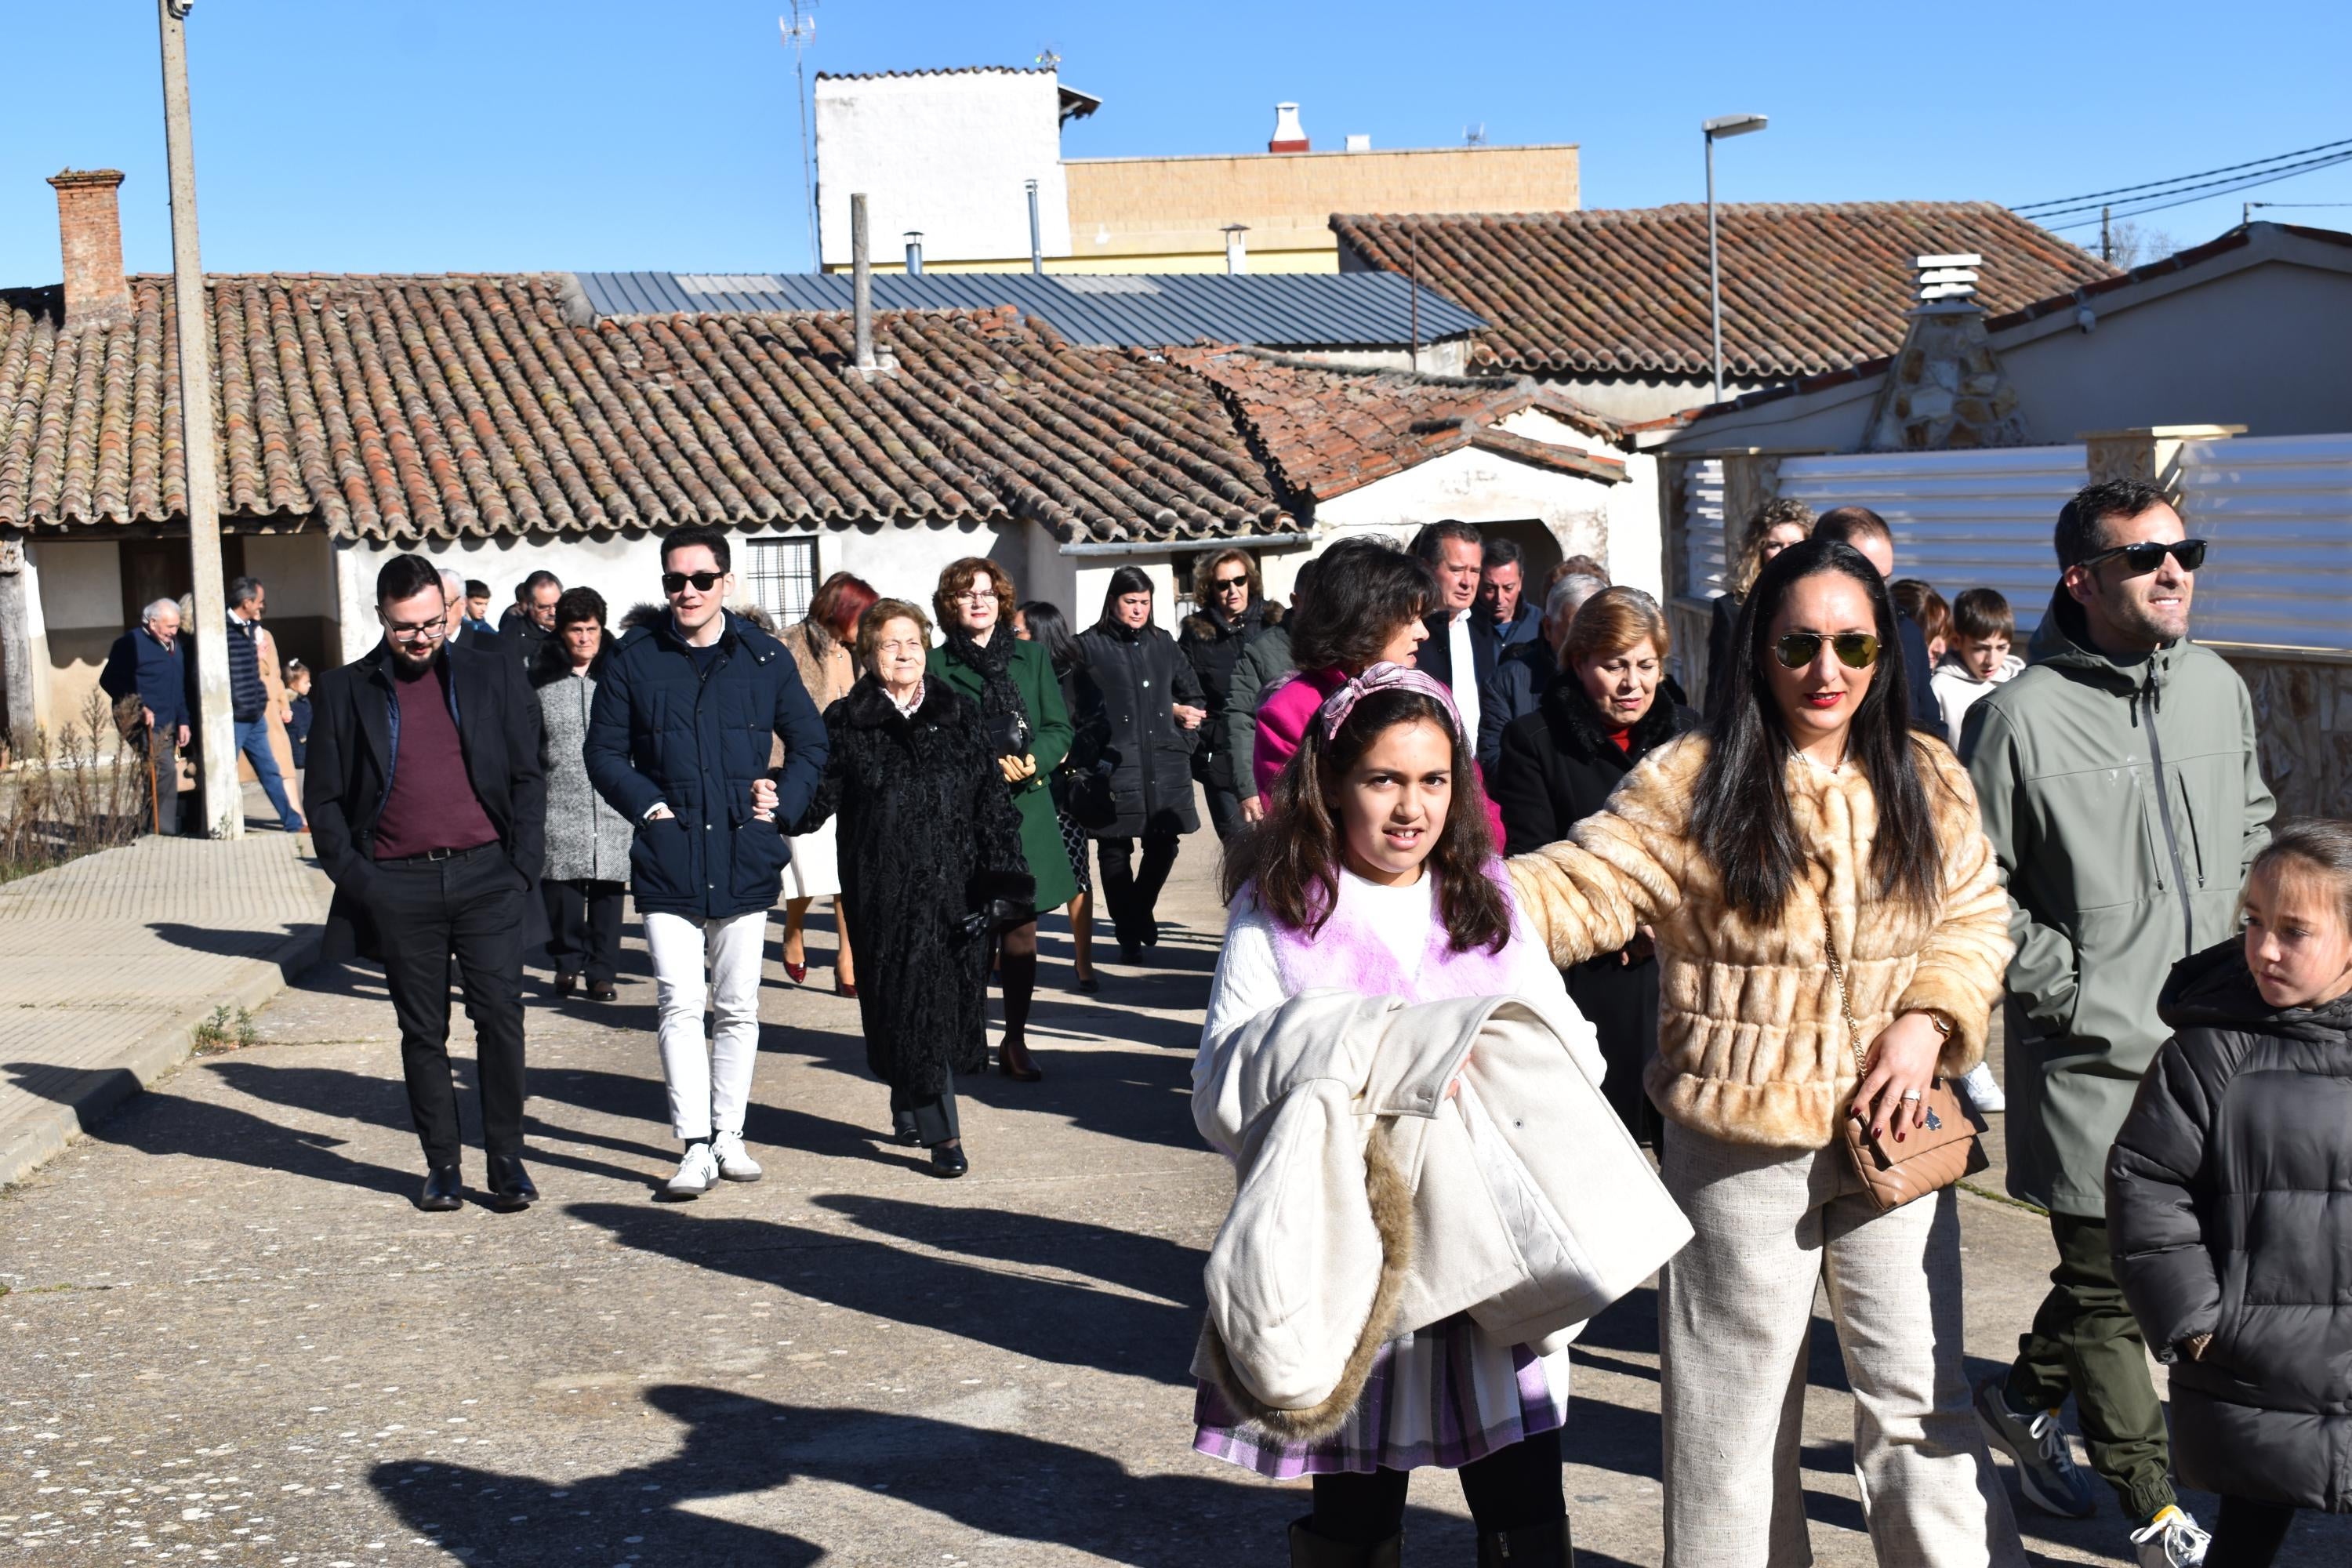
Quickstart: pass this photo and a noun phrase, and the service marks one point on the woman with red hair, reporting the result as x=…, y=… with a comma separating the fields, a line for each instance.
x=820, y=647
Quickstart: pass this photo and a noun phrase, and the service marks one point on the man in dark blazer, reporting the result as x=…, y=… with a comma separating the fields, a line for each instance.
x=465, y=631
x=147, y=664
x=1461, y=644
x=428, y=808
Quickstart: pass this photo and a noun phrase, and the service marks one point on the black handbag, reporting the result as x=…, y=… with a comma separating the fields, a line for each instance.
x=1003, y=901
x=1009, y=734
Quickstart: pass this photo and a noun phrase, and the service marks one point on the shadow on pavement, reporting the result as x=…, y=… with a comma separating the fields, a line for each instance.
x=229, y=943
x=675, y=1509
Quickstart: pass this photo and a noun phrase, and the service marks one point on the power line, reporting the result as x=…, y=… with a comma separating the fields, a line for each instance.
x=2068, y=202
x=2182, y=197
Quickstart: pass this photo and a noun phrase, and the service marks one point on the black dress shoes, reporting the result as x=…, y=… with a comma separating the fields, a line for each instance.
x=607, y=992
x=445, y=1190
x=566, y=984
x=947, y=1161
x=511, y=1187
x=903, y=1129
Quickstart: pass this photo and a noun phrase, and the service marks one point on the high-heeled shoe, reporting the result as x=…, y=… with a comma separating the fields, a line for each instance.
x=795, y=972
x=1013, y=1061
x=845, y=988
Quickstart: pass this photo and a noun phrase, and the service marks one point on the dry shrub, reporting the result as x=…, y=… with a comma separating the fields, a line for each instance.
x=67, y=795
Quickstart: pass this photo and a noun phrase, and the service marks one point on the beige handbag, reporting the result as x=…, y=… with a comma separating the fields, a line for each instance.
x=1933, y=1156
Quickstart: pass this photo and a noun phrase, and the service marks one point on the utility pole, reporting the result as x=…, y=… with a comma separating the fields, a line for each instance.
x=223, y=799
x=2106, y=246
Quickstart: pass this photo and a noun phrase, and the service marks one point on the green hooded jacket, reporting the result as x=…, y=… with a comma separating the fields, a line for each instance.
x=2112, y=877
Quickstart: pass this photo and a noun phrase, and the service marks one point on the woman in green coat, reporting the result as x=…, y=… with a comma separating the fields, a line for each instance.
x=1021, y=705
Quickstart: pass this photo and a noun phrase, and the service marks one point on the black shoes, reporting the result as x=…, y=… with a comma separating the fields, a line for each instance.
x=903, y=1129
x=511, y=1187
x=566, y=984
x=1087, y=983
x=445, y=1190
x=948, y=1162
x=607, y=992
x=1309, y=1549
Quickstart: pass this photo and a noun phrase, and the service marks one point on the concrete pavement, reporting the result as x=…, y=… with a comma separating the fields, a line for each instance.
x=231, y=1338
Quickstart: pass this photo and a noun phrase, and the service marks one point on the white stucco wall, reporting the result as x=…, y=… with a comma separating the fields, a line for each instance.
x=945, y=153
x=80, y=585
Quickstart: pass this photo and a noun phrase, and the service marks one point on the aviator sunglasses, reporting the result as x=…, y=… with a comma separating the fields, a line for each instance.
x=2148, y=556
x=675, y=582
x=1855, y=650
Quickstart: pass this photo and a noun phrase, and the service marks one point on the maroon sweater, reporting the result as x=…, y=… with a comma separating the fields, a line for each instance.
x=431, y=804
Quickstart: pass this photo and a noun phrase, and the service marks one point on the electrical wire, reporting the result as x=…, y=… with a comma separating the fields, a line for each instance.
x=2067, y=203
x=2182, y=197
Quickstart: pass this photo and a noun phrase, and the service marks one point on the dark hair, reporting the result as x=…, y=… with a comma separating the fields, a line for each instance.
x=1364, y=590
x=958, y=577
x=710, y=539
x=1125, y=580
x=1204, y=576
x=405, y=577
x=535, y=582
x=578, y=605
x=838, y=603
x=1291, y=859
x=1844, y=525
x=1429, y=545
x=1497, y=551
x=242, y=591
x=643, y=613
x=477, y=589
x=1740, y=806
x=1982, y=612
x=1050, y=630
x=2319, y=846
x=1925, y=606
x=2078, y=532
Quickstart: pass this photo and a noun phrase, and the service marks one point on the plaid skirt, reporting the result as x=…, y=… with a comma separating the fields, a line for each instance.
x=1442, y=1396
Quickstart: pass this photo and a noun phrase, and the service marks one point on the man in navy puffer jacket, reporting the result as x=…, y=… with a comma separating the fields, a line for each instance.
x=680, y=740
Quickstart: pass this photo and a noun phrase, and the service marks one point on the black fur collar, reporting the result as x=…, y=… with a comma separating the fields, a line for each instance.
x=869, y=706
x=1574, y=711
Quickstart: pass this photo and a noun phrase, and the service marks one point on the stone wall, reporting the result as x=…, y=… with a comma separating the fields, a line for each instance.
x=2303, y=707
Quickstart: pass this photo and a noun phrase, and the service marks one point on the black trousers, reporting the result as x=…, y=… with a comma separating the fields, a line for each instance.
x=1510, y=1489
x=1224, y=801
x=469, y=907
x=583, y=927
x=1133, y=892
x=2248, y=1534
x=934, y=1120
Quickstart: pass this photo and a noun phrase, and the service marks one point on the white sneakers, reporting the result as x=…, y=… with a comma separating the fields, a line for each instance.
x=735, y=1163
x=2173, y=1541
x=1982, y=1090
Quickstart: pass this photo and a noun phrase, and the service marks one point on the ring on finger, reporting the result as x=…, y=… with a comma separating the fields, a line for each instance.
x=1909, y=1095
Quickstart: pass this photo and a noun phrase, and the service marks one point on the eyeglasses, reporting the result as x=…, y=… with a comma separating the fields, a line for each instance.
x=1228, y=585
x=1855, y=650
x=675, y=582
x=430, y=632
x=2149, y=556
x=975, y=597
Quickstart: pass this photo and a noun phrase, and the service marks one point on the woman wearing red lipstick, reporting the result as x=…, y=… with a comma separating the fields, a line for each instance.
x=1559, y=765
x=1804, y=823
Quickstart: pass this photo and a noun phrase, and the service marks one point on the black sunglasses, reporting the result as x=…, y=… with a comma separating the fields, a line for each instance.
x=2146, y=557
x=1855, y=650
x=675, y=582
x=1221, y=584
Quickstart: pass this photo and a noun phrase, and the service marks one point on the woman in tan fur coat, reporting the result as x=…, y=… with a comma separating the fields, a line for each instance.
x=1805, y=813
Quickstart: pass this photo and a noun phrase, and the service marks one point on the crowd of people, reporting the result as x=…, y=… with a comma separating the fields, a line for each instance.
x=1767, y=927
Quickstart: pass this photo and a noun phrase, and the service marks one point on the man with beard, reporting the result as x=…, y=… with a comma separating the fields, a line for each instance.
x=2119, y=783
x=428, y=808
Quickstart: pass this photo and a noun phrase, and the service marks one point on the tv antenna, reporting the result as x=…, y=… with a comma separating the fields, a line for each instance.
x=1048, y=57
x=799, y=29
x=1475, y=135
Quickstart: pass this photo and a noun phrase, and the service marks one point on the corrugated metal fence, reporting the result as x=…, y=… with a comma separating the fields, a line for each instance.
x=1703, y=537
x=2279, y=511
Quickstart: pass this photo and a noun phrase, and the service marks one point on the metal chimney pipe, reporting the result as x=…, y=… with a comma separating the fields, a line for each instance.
x=861, y=282
x=1236, y=250
x=1036, y=244
x=914, y=253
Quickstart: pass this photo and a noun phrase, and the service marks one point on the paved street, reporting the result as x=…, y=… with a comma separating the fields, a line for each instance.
x=230, y=1338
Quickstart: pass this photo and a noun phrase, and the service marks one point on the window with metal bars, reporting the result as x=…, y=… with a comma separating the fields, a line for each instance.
x=782, y=576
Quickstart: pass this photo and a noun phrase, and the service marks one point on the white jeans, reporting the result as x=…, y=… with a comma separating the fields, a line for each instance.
x=709, y=1086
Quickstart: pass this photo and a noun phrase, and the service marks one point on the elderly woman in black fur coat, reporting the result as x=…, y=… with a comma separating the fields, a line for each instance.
x=930, y=858
x=1559, y=765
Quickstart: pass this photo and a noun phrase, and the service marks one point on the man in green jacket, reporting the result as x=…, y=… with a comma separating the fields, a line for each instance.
x=2120, y=786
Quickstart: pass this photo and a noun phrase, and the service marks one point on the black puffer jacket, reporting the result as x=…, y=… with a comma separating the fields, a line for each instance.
x=2229, y=1209
x=1137, y=675
x=1213, y=645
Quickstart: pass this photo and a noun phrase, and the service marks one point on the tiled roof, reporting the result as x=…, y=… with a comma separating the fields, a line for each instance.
x=1806, y=288
x=1328, y=429
x=398, y=407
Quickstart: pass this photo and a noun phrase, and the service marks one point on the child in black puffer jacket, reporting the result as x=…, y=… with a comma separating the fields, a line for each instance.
x=2230, y=1201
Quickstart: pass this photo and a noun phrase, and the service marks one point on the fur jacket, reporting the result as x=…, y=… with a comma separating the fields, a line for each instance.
x=1752, y=1047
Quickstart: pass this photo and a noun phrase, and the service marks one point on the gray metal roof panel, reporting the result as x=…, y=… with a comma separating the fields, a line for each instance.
x=1280, y=310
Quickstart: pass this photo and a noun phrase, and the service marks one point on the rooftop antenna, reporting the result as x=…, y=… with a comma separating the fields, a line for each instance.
x=1475, y=135
x=799, y=29
x=1048, y=59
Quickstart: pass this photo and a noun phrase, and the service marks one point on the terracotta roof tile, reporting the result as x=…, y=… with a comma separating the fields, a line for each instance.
x=414, y=407
x=1806, y=288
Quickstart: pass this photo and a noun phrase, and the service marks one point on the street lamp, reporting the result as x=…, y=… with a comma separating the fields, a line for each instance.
x=1721, y=125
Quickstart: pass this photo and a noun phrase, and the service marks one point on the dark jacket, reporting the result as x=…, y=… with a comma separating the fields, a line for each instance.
x=482, y=637
x=519, y=636
x=298, y=728
x=1722, y=622
x=1436, y=655
x=2229, y=1210
x=1032, y=674
x=1523, y=673
x=1525, y=626
x=355, y=750
x=928, y=834
x=1137, y=675
x=1266, y=660
x=1212, y=646
x=660, y=734
x=1557, y=767
x=139, y=666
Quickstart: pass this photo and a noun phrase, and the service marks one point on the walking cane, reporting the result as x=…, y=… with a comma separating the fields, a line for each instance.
x=154, y=789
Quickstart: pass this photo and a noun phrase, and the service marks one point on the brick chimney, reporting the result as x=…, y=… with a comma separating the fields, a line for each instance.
x=90, y=232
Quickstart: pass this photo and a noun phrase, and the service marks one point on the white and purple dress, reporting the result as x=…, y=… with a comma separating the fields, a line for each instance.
x=1443, y=1395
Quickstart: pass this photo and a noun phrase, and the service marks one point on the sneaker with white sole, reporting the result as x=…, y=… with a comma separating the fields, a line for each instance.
x=1983, y=1090
x=2046, y=1472
x=695, y=1173
x=2172, y=1540
x=735, y=1162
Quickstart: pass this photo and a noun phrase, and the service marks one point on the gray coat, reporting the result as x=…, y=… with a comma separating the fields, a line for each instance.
x=587, y=840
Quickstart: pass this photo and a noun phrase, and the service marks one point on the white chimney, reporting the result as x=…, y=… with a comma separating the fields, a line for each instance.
x=1359, y=141
x=1947, y=277
x=1236, y=251
x=1288, y=135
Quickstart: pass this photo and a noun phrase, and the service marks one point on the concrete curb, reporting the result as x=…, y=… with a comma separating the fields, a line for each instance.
x=250, y=982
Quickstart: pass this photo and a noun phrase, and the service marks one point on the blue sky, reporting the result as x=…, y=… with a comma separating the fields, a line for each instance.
x=445, y=135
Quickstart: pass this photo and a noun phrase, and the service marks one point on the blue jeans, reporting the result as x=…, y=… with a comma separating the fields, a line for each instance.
x=253, y=739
